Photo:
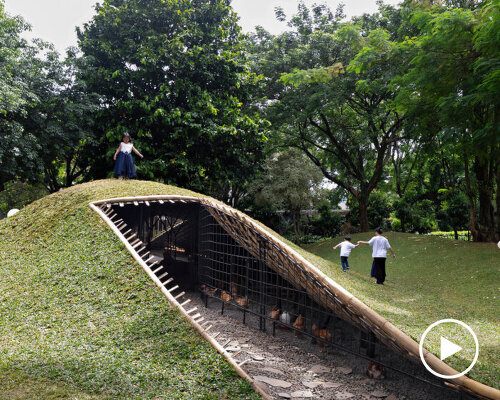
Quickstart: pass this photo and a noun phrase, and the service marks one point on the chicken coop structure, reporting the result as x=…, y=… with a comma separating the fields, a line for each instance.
x=198, y=244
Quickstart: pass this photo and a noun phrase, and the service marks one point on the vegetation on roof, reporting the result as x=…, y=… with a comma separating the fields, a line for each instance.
x=79, y=317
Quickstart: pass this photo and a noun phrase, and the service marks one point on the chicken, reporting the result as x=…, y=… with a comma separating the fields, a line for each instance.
x=323, y=334
x=275, y=313
x=225, y=296
x=299, y=324
x=375, y=371
x=242, y=301
x=326, y=335
x=208, y=290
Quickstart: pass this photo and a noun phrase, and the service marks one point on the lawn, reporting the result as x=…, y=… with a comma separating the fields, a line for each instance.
x=431, y=279
x=80, y=319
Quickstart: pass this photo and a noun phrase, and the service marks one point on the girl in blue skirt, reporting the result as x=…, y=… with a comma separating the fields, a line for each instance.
x=124, y=165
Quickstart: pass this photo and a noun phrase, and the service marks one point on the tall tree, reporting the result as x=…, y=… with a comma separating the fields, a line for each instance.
x=446, y=82
x=175, y=75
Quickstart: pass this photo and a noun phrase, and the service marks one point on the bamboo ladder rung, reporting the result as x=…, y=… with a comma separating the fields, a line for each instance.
x=158, y=269
x=186, y=302
x=126, y=233
x=198, y=315
x=179, y=295
x=193, y=309
x=164, y=275
x=174, y=288
x=153, y=264
x=137, y=243
x=131, y=236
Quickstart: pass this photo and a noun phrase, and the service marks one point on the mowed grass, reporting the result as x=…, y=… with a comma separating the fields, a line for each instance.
x=79, y=319
x=431, y=279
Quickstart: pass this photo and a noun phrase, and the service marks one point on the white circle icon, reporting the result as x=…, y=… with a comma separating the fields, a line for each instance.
x=448, y=348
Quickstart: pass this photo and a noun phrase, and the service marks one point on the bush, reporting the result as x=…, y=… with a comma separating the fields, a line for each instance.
x=326, y=224
x=20, y=194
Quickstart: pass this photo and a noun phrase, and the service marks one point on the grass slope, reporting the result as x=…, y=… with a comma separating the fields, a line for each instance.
x=431, y=279
x=79, y=319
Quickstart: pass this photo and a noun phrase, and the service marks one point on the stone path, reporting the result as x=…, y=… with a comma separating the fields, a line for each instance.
x=288, y=367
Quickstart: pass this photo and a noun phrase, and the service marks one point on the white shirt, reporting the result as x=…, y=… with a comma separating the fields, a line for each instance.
x=380, y=245
x=126, y=147
x=345, y=248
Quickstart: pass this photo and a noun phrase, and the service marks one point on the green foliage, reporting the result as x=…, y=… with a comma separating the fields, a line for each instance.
x=19, y=194
x=379, y=210
x=174, y=75
x=290, y=180
x=327, y=223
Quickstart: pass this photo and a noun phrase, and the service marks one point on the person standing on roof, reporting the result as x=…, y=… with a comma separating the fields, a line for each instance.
x=380, y=245
x=124, y=164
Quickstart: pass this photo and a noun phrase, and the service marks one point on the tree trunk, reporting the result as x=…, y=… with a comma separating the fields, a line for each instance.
x=363, y=215
x=403, y=226
x=486, y=212
x=498, y=202
x=296, y=226
x=456, y=233
x=470, y=196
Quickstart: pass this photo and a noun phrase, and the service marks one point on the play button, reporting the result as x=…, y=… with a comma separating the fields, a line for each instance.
x=448, y=348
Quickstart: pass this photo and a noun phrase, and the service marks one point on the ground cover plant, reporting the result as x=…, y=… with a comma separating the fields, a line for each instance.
x=80, y=319
x=432, y=278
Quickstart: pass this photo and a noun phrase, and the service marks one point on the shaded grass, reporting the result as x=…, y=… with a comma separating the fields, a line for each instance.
x=80, y=319
x=431, y=279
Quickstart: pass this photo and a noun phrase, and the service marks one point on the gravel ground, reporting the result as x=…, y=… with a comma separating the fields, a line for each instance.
x=289, y=367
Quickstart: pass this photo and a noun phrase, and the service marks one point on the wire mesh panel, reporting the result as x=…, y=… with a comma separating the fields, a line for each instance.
x=229, y=273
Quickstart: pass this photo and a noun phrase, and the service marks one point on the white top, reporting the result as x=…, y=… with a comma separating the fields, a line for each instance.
x=380, y=245
x=126, y=147
x=345, y=248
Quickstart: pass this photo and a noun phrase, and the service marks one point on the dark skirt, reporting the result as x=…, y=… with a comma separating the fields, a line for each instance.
x=124, y=165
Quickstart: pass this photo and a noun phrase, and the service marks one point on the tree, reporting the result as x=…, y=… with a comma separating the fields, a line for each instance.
x=291, y=181
x=61, y=119
x=343, y=119
x=18, y=150
x=450, y=65
x=174, y=74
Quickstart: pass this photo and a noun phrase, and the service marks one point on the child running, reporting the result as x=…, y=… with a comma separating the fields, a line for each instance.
x=345, y=249
x=124, y=165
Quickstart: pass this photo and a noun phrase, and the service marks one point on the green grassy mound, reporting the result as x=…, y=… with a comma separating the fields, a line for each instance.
x=80, y=319
x=431, y=279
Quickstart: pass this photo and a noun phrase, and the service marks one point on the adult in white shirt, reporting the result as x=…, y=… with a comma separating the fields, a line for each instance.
x=380, y=245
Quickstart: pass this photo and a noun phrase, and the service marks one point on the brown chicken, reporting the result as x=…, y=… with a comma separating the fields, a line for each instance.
x=375, y=371
x=208, y=290
x=275, y=313
x=323, y=334
x=299, y=324
x=225, y=296
x=242, y=301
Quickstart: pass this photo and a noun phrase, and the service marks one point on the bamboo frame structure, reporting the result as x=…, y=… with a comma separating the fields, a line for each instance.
x=301, y=273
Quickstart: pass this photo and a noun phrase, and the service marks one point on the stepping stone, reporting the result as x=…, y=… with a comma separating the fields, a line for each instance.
x=379, y=394
x=331, y=385
x=261, y=385
x=233, y=349
x=273, y=382
x=284, y=395
x=234, y=343
x=319, y=369
x=274, y=347
x=311, y=385
x=391, y=397
x=302, y=394
x=344, y=370
x=344, y=396
x=256, y=357
x=273, y=370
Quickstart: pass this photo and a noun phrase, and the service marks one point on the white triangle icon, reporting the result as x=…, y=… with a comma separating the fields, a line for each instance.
x=448, y=348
